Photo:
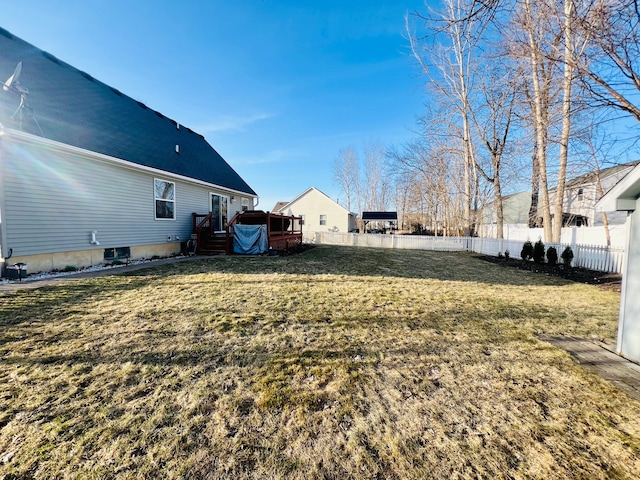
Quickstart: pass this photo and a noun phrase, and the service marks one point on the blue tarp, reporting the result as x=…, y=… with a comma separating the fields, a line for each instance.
x=250, y=239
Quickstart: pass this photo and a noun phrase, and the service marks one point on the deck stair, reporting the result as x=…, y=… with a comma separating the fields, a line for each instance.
x=215, y=244
x=209, y=242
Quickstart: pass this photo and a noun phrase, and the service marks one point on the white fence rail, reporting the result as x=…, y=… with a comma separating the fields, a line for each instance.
x=593, y=257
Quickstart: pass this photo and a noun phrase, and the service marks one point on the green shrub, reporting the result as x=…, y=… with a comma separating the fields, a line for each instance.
x=69, y=268
x=507, y=255
x=552, y=256
x=567, y=256
x=527, y=250
x=538, y=252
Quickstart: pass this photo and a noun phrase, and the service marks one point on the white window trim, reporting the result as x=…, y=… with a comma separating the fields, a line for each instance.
x=175, y=194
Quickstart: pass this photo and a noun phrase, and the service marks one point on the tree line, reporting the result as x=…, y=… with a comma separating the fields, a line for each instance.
x=519, y=95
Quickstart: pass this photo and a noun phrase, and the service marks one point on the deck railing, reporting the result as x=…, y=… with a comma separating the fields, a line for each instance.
x=202, y=226
x=283, y=231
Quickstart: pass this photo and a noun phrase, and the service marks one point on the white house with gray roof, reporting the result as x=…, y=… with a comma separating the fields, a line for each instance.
x=88, y=174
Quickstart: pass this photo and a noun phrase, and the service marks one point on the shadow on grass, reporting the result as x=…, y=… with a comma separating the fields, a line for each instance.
x=223, y=345
x=17, y=307
x=361, y=262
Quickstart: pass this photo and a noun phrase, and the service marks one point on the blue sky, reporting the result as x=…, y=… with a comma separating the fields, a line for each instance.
x=278, y=87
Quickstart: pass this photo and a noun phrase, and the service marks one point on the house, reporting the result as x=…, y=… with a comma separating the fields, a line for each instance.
x=624, y=197
x=582, y=193
x=88, y=174
x=515, y=210
x=319, y=213
x=580, y=197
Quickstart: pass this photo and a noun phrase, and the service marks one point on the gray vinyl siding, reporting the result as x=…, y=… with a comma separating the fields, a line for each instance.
x=54, y=200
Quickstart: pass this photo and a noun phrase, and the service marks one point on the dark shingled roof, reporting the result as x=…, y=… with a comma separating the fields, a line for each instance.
x=591, y=177
x=72, y=107
x=387, y=216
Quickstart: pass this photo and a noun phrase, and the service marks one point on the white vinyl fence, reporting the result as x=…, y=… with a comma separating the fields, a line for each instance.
x=603, y=259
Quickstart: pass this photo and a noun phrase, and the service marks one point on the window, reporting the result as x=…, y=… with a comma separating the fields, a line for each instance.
x=245, y=204
x=580, y=193
x=117, y=253
x=164, y=193
x=323, y=219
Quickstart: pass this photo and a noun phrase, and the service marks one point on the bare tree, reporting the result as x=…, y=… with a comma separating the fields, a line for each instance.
x=532, y=21
x=363, y=180
x=346, y=175
x=375, y=189
x=575, y=42
x=493, y=120
x=446, y=55
x=610, y=66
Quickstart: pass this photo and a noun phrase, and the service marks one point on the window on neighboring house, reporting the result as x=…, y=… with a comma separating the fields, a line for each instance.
x=165, y=197
x=323, y=219
x=301, y=219
x=580, y=193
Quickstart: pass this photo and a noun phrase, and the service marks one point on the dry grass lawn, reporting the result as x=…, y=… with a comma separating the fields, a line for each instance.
x=337, y=363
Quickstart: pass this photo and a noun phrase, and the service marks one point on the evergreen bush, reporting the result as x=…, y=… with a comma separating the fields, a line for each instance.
x=567, y=256
x=538, y=252
x=527, y=250
x=552, y=256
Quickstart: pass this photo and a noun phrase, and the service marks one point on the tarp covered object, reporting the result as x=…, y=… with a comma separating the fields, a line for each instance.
x=250, y=239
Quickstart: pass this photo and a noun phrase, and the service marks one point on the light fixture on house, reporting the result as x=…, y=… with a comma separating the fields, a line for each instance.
x=177, y=149
x=94, y=240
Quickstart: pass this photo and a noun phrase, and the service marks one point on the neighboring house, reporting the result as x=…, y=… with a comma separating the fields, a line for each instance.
x=319, y=213
x=581, y=195
x=88, y=174
x=624, y=198
x=515, y=210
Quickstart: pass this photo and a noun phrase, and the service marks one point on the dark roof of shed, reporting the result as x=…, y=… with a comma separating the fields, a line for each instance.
x=388, y=216
x=73, y=108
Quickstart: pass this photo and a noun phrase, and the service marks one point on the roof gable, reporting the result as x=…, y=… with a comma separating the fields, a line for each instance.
x=71, y=107
x=313, y=190
x=624, y=195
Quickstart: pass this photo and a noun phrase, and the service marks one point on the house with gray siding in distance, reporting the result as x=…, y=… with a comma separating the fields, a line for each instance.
x=579, y=204
x=583, y=192
x=88, y=174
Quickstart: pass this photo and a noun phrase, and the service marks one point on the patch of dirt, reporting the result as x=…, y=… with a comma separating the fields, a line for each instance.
x=606, y=281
